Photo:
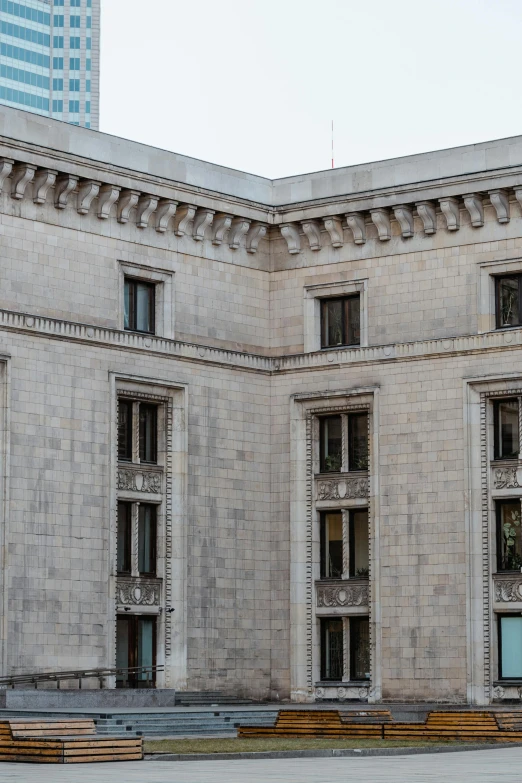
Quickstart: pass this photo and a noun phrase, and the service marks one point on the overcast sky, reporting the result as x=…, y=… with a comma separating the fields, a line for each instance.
x=255, y=84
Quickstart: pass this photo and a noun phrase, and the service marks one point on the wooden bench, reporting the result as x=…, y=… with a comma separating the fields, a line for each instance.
x=321, y=723
x=63, y=742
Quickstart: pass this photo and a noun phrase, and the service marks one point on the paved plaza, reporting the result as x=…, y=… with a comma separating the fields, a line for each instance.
x=481, y=766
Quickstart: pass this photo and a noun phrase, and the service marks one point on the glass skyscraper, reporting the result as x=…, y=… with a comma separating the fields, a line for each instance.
x=50, y=58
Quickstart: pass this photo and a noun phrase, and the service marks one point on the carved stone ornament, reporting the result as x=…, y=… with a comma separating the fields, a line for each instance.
x=20, y=178
x=146, y=206
x=334, y=226
x=331, y=596
x=6, y=167
x=357, y=225
x=500, y=201
x=238, y=229
x=518, y=194
x=475, y=207
x=381, y=219
x=404, y=216
x=183, y=218
x=139, y=481
x=508, y=590
x=64, y=187
x=256, y=232
x=427, y=214
x=165, y=210
x=498, y=692
x=87, y=192
x=202, y=220
x=319, y=693
x=220, y=226
x=108, y=196
x=313, y=233
x=44, y=180
x=342, y=488
x=127, y=201
x=450, y=210
x=290, y=233
x=506, y=478
x=132, y=592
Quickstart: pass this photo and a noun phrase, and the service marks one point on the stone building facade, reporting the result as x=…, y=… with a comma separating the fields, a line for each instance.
x=266, y=434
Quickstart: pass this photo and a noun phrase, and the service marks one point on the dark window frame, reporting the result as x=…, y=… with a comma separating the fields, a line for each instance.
x=497, y=435
x=128, y=454
x=323, y=622
x=499, y=502
x=322, y=449
x=322, y=539
x=499, y=647
x=345, y=320
x=498, y=281
x=136, y=679
x=351, y=449
x=351, y=538
x=141, y=435
x=127, y=556
x=353, y=621
x=154, y=540
x=134, y=282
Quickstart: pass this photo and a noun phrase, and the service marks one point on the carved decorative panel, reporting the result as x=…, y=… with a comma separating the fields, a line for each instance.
x=341, y=693
x=508, y=590
x=342, y=488
x=139, y=480
x=138, y=592
x=344, y=594
x=506, y=478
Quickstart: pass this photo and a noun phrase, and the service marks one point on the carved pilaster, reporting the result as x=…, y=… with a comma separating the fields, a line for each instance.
x=381, y=219
x=146, y=206
x=64, y=187
x=165, y=210
x=20, y=178
x=312, y=232
x=87, y=192
x=127, y=201
x=183, y=218
x=475, y=207
x=220, y=226
x=107, y=198
x=202, y=220
x=404, y=216
x=43, y=180
x=334, y=226
x=428, y=216
x=290, y=234
x=499, y=199
x=238, y=230
x=6, y=167
x=256, y=232
x=450, y=210
x=357, y=225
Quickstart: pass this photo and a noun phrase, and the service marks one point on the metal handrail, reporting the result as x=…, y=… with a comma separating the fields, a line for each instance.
x=127, y=674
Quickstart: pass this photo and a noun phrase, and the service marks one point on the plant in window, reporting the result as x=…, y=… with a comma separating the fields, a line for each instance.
x=512, y=558
x=508, y=306
x=363, y=573
x=333, y=462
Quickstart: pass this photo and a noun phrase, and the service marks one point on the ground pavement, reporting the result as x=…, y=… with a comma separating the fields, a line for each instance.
x=481, y=766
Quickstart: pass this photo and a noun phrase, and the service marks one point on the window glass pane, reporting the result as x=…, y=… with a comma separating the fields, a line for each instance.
x=359, y=648
x=332, y=649
x=353, y=320
x=511, y=647
x=506, y=429
x=331, y=444
x=144, y=307
x=332, y=545
x=358, y=441
x=147, y=539
x=128, y=304
x=359, y=561
x=148, y=433
x=333, y=331
x=122, y=644
x=146, y=627
x=124, y=430
x=124, y=538
x=508, y=301
x=509, y=535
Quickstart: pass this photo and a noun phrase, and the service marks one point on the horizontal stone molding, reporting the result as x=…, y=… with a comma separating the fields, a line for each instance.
x=342, y=487
x=136, y=479
x=508, y=589
x=342, y=594
x=138, y=591
x=347, y=692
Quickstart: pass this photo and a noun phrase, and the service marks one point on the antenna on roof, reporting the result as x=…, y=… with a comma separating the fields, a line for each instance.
x=332, y=146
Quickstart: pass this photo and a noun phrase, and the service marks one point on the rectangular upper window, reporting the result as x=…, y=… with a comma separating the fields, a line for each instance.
x=340, y=321
x=331, y=444
x=148, y=433
x=510, y=646
x=58, y=63
x=74, y=85
x=75, y=42
x=147, y=539
x=506, y=428
x=124, y=539
x=509, y=539
x=125, y=430
x=359, y=543
x=355, y=426
x=331, y=545
x=508, y=301
x=75, y=21
x=58, y=20
x=359, y=648
x=74, y=64
x=139, y=306
x=358, y=441
x=332, y=649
